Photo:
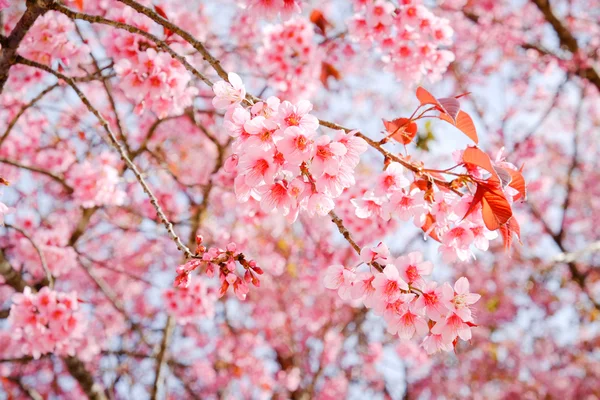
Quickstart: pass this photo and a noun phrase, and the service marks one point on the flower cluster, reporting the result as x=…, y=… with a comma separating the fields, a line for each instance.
x=410, y=38
x=278, y=158
x=409, y=304
x=188, y=303
x=272, y=8
x=4, y=210
x=439, y=214
x=53, y=242
x=50, y=39
x=291, y=59
x=156, y=81
x=121, y=44
x=224, y=261
x=95, y=183
x=47, y=322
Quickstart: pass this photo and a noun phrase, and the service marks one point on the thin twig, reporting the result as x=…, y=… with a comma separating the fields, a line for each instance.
x=38, y=170
x=122, y=152
x=49, y=276
x=15, y=119
x=132, y=29
x=161, y=359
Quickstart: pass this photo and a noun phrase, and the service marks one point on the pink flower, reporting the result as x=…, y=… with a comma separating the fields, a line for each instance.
x=257, y=165
x=363, y=289
x=381, y=12
x=49, y=322
x=459, y=299
x=270, y=8
x=267, y=109
x=289, y=115
x=339, y=278
x=407, y=324
x=235, y=118
x=4, y=4
x=407, y=206
x=379, y=254
x=4, y=210
x=413, y=268
x=455, y=244
x=392, y=179
x=355, y=147
x=228, y=93
x=452, y=327
x=240, y=288
x=95, y=183
x=431, y=301
x=320, y=204
x=482, y=237
x=261, y=132
x=334, y=184
x=368, y=205
x=276, y=197
x=193, y=302
x=389, y=284
x=296, y=145
x=327, y=156
x=434, y=343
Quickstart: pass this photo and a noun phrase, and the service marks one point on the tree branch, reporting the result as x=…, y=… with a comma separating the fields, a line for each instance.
x=122, y=152
x=567, y=40
x=14, y=121
x=161, y=359
x=49, y=277
x=8, y=53
x=38, y=170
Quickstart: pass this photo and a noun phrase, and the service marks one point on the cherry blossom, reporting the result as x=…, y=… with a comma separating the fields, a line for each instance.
x=280, y=199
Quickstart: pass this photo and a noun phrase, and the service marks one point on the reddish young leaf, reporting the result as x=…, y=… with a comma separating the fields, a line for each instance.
x=466, y=126
x=425, y=97
x=518, y=182
x=451, y=107
x=495, y=208
x=79, y=4
x=507, y=231
x=160, y=11
x=477, y=198
x=504, y=175
x=464, y=123
x=328, y=70
x=473, y=155
x=402, y=129
x=319, y=20
x=429, y=221
x=422, y=184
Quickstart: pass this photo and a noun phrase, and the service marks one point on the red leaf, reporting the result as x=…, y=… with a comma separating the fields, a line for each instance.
x=328, y=70
x=79, y=4
x=477, y=198
x=518, y=183
x=507, y=231
x=504, y=175
x=319, y=20
x=473, y=155
x=466, y=126
x=402, y=129
x=495, y=208
x=451, y=106
x=464, y=123
x=160, y=11
x=425, y=97
x=429, y=221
